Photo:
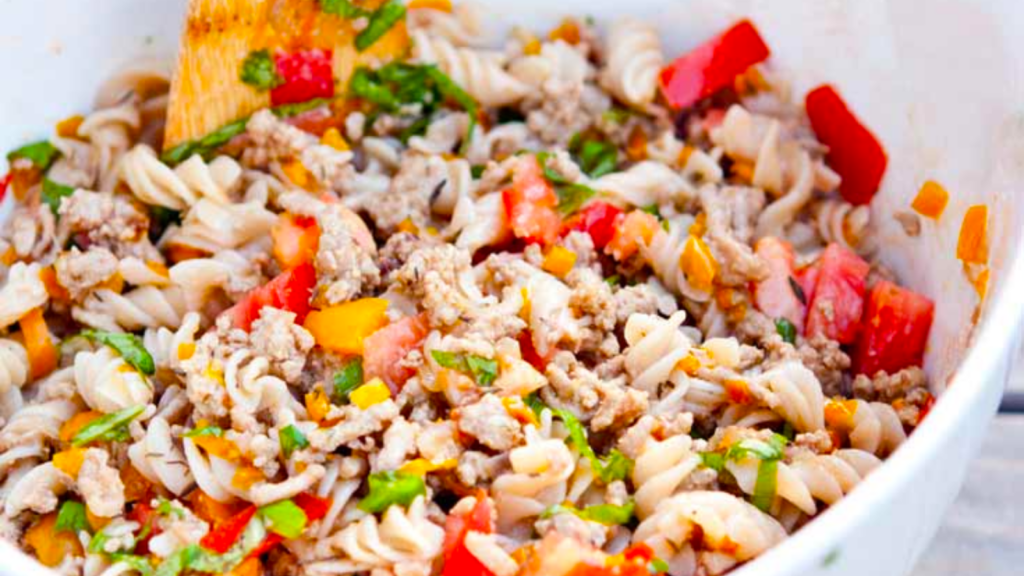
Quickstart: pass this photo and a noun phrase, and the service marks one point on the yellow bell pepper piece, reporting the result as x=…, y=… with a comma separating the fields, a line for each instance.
x=69, y=461
x=422, y=466
x=931, y=200
x=839, y=414
x=559, y=261
x=333, y=138
x=318, y=405
x=341, y=329
x=71, y=427
x=51, y=546
x=68, y=127
x=698, y=264
x=245, y=476
x=297, y=173
x=373, y=392
x=220, y=447
x=972, y=246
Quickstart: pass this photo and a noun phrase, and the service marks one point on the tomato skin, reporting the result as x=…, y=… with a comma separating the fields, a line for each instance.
x=225, y=534
x=296, y=239
x=775, y=295
x=895, y=330
x=530, y=204
x=307, y=74
x=4, y=183
x=145, y=515
x=289, y=291
x=385, y=348
x=837, y=304
x=713, y=65
x=854, y=152
x=599, y=220
x=459, y=561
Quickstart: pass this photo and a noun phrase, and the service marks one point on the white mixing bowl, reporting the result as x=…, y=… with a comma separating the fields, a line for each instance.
x=940, y=81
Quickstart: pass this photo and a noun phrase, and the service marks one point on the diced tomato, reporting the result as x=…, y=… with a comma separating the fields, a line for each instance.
x=598, y=219
x=853, y=151
x=314, y=506
x=225, y=534
x=145, y=515
x=290, y=291
x=529, y=352
x=838, y=303
x=530, y=204
x=713, y=65
x=384, y=349
x=775, y=295
x=636, y=229
x=807, y=279
x=459, y=561
x=307, y=74
x=296, y=239
x=4, y=183
x=895, y=330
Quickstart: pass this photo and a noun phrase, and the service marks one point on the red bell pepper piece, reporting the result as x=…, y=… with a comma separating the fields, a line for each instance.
x=853, y=151
x=530, y=204
x=598, y=220
x=894, y=331
x=225, y=534
x=837, y=303
x=4, y=183
x=775, y=295
x=290, y=291
x=307, y=74
x=313, y=506
x=459, y=561
x=713, y=65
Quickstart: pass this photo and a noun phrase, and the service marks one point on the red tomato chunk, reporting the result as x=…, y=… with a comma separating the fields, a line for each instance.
x=458, y=560
x=598, y=220
x=895, y=330
x=290, y=291
x=530, y=204
x=837, y=304
x=775, y=295
x=307, y=74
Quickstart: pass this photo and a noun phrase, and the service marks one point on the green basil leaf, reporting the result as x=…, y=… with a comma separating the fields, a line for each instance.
x=786, y=329
x=292, y=439
x=129, y=346
x=348, y=379
x=549, y=173
x=598, y=158
x=389, y=488
x=42, y=154
x=137, y=563
x=284, y=518
x=535, y=403
x=381, y=21
x=477, y=171
x=765, y=485
x=653, y=210
x=344, y=8
x=613, y=280
x=571, y=197
x=484, y=370
x=366, y=86
x=773, y=449
x=54, y=193
x=205, y=431
x=615, y=466
x=72, y=518
x=713, y=460
x=260, y=71
x=108, y=427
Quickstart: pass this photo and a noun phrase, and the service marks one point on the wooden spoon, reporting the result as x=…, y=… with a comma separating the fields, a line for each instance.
x=206, y=90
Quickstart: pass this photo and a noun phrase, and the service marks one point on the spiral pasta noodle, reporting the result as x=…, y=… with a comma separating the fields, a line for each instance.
x=14, y=368
x=22, y=292
x=157, y=458
x=153, y=182
x=107, y=383
x=480, y=73
x=634, y=60
x=144, y=307
x=660, y=469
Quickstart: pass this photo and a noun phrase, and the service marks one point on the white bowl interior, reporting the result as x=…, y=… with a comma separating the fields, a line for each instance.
x=941, y=82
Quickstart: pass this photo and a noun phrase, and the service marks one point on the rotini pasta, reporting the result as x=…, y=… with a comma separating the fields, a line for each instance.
x=155, y=183
x=634, y=60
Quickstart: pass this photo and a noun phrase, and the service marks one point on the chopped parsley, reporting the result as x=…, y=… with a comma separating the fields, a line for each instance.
x=484, y=370
x=786, y=329
x=348, y=379
x=260, y=71
x=292, y=439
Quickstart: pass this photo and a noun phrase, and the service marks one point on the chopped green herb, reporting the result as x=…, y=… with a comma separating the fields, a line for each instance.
x=166, y=508
x=417, y=128
x=137, y=563
x=291, y=110
x=773, y=449
x=788, y=432
x=665, y=226
x=381, y=21
x=477, y=171
x=613, y=280
x=205, y=431
x=41, y=153
x=260, y=71
x=292, y=439
x=389, y=488
x=179, y=561
x=765, y=484
x=607, y=514
x=657, y=566
x=798, y=290
x=786, y=329
x=54, y=193
x=595, y=157
x=713, y=460
x=365, y=85
x=72, y=518
x=344, y=8
x=284, y=518
x=348, y=379
x=572, y=197
x=653, y=210
x=109, y=427
x=616, y=115
x=129, y=346
x=616, y=465
x=484, y=370
x=535, y=403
